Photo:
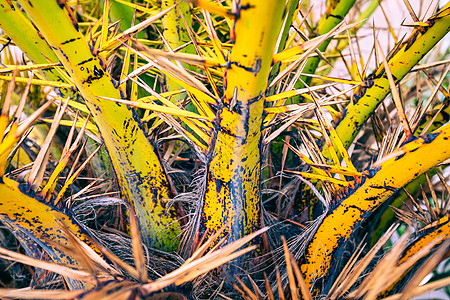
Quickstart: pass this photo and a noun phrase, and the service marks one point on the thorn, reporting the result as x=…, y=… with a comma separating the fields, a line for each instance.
x=116, y=83
x=94, y=50
x=102, y=62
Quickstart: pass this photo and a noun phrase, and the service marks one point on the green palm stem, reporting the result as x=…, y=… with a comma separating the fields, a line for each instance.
x=175, y=32
x=375, y=88
x=335, y=13
x=439, y=116
x=343, y=43
x=135, y=160
x=15, y=24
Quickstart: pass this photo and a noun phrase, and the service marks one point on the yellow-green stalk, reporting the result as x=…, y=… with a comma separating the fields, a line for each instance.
x=369, y=95
x=335, y=13
x=175, y=31
x=14, y=23
x=141, y=177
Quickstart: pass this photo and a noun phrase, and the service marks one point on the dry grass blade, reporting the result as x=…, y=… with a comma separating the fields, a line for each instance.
x=256, y=288
x=308, y=161
x=53, y=267
x=306, y=294
x=382, y=274
x=171, y=69
x=430, y=65
x=28, y=293
x=292, y=285
x=327, y=138
x=388, y=21
x=138, y=251
x=65, y=156
x=127, y=34
x=424, y=270
x=204, y=264
x=349, y=266
x=445, y=204
x=334, y=138
x=207, y=245
x=91, y=260
x=411, y=11
x=246, y=291
x=116, y=260
x=428, y=205
x=388, y=271
x=23, y=98
x=78, y=251
x=420, y=290
x=279, y=284
x=359, y=267
x=268, y=288
x=71, y=134
x=6, y=104
x=396, y=96
x=425, y=107
x=435, y=206
x=240, y=291
x=8, y=97
x=355, y=73
x=73, y=177
x=23, y=126
x=309, y=48
x=192, y=59
x=195, y=269
x=37, y=171
x=213, y=36
x=114, y=291
x=424, y=216
x=159, y=108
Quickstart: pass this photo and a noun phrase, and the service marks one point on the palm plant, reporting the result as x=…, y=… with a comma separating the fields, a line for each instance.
x=199, y=92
